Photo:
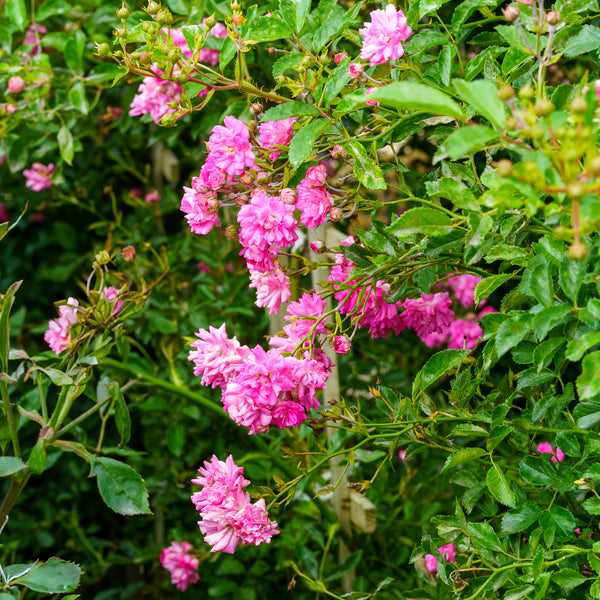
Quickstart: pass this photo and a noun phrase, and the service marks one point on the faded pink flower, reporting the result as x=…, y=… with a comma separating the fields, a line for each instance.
x=212, y=177
x=431, y=562
x=463, y=287
x=182, y=566
x=16, y=84
x=355, y=70
x=464, y=334
x=428, y=314
x=314, y=201
x=58, y=336
x=229, y=147
x=31, y=37
x=546, y=448
x=273, y=134
x=383, y=36
x=128, y=254
x=39, y=177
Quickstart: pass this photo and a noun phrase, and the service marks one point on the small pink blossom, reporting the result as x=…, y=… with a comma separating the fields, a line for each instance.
x=128, y=254
x=203, y=268
x=314, y=201
x=464, y=334
x=463, y=287
x=16, y=84
x=201, y=208
x=341, y=344
x=355, y=70
x=339, y=57
x=546, y=448
x=58, y=335
x=273, y=134
x=153, y=97
x=39, y=177
x=111, y=294
x=152, y=196
x=181, y=565
x=272, y=288
x=431, y=313
x=229, y=146
x=431, y=562
x=383, y=36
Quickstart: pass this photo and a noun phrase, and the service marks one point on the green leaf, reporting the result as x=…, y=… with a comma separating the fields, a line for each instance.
x=65, y=144
x=14, y=571
x=499, y=486
x=426, y=221
x=301, y=146
x=592, y=505
x=561, y=519
x=577, y=348
x=455, y=191
x=568, y=578
x=294, y=12
x=485, y=287
x=548, y=318
x=53, y=577
x=289, y=109
x=520, y=518
x=587, y=40
x=465, y=9
x=16, y=12
x=482, y=96
x=227, y=53
x=336, y=82
x=333, y=27
x=568, y=443
x=50, y=8
x=10, y=465
x=37, y=457
x=468, y=140
x=587, y=414
x=537, y=470
x=57, y=377
x=588, y=383
x=417, y=96
x=512, y=331
x=179, y=7
x=367, y=171
x=484, y=535
x=120, y=486
x=497, y=434
x=9, y=298
x=545, y=352
x=462, y=455
x=437, y=366
x=78, y=99
x=74, y=51
x=570, y=276
x=122, y=417
x=267, y=29
x=288, y=62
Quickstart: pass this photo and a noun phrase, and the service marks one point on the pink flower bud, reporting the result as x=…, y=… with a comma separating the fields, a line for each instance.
x=128, y=254
x=355, y=70
x=316, y=176
x=339, y=57
x=16, y=84
x=152, y=196
x=335, y=214
x=553, y=17
x=288, y=195
x=341, y=344
x=338, y=152
x=511, y=13
x=318, y=247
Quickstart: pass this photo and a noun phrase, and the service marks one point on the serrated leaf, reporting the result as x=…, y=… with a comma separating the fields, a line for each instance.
x=462, y=455
x=520, y=518
x=537, y=470
x=289, y=109
x=120, y=486
x=588, y=383
x=499, y=486
x=65, y=144
x=57, y=377
x=482, y=96
x=548, y=318
x=227, y=53
x=74, y=51
x=437, y=366
x=10, y=465
x=485, y=287
x=78, y=99
x=294, y=12
x=53, y=577
x=592, y=505
x=587, y=40
x=336, y=82
x=367, y=171
x=587, y=414
x=426, y=221
x=577, y=348
x=287, y=62
x=568, y=578
x=468, y=140
x=301, y=145
x=417, y=96
x=267, y=29
x=512, y=331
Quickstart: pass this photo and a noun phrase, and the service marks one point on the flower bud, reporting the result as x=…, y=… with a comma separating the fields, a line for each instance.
x=338, y=152
x=505, y=92
x=145, y=58
x=256, y=108
x=103, y=49
x=238, y=19
x=526, y=92
x=511, y=13
x=128, y=254
x=147, y=26
x=575, y=189
x=578, y=251
x=340, y=343
x=174, y=54
x=210, y=22
x=594, y=166
x=335, y=213
x=579, y=106
x=553, y=17
x=103, y=257
x=168, y=120
x=288, y=195
x=234, y=5
x=181, y=78
x=123, y=12
x=318, y=247
x=16, y=84
x=543, y=107
x=339, y=57
x=355, y=70
x=164, y=17
x=231, y=232
x=153, y=7
x=504, y=167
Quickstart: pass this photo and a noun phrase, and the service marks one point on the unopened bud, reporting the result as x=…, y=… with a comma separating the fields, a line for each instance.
x=103, y=257
x=164, y=17
x=174, y=54
x=511, y=13
x=256, y=108
x=234, y=5
x=231, y=232
x=306, y=61
x=578, y=251
x=145, y=57
x=553, y=17
x=238, y=19
x=128, y=254
x=103, y=49
x=335, y=213
x=246, y=178
x=147, y=26
x=338, y=152
x=318, y=247
x=504, y=167
x=210, y=22
x=153, y=7
x=575, y=189
x=511, y=123
x=355, y=70
x=579, y=106
x=526, y=92
x=123, y=12
x=168, y=120
x=181, y=77
x=594, y=166
x=288, y=195
x=506, y=92
x=272, y=50
x=339, y=57
x=544, y=107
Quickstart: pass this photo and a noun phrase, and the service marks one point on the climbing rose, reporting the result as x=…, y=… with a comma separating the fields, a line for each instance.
x=355, y=70
x=464, y=334
x=57, y=335
x=182, y=566
x=152, y=97
x=201, y=207
x=429, y=314
x=229, y=147
x=546, y=448
x=431, y=561
x=463, y=287
x=39, y=177
x=272, y=288
x=341, y=344
x=383, y=36
x=112, y=296
x=314, y=201
x=225, y=508
x=273, y=134
x=16, y=84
